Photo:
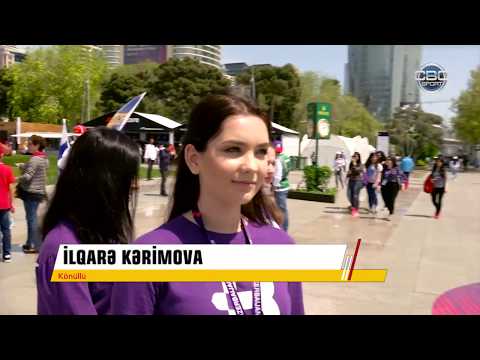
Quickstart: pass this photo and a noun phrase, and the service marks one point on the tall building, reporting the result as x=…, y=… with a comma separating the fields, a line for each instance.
x=11, y=54
x=206, y=54
x=234, y=69
x=113, y=54
x=134, y=54
x=382, y=77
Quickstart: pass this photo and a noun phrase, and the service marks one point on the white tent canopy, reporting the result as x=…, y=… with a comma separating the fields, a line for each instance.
x=328, y=147
x=283, y=129
x=46, y=135
x=161, y=120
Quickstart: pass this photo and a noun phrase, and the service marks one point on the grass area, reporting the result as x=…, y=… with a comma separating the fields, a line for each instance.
x=53, y=171
x=329, y=191
x=52, y=168
x=155, y=173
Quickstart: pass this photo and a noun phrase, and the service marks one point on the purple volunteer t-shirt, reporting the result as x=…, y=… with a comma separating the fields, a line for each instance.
x=206, y=298
x=66, y=298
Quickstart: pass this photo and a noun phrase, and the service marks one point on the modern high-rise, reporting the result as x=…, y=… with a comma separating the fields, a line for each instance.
x=206, y=54
x=382, y=77
x=11, y=54
x=135, y=54
x=113, y=54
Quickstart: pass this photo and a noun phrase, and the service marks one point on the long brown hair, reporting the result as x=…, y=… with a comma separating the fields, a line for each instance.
x=205, y=122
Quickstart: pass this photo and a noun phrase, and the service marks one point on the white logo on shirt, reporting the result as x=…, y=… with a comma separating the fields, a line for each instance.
x=269, y=305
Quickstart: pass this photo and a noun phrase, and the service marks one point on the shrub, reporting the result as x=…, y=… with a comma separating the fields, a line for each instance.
x=317, y=176
x=421, y=162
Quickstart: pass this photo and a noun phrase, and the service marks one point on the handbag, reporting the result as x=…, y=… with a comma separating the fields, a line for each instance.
x=428, y=185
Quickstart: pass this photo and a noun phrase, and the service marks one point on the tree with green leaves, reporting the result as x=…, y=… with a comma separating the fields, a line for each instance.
x=467, y=107
x=180, y=84
x=349, y=117
x=127, y=81
x=415, y=132
x=5, y=86
x=49, y=84
x=278, y=91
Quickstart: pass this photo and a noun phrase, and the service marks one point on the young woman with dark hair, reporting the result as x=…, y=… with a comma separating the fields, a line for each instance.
x=217, y=199
x=439, y=178
x=355, y=182
x=392, y=181
x=92, y=204
x=373, y=177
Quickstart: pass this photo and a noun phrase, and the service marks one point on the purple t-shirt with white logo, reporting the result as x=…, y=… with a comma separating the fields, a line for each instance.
x=206, y=298
x=66, y=298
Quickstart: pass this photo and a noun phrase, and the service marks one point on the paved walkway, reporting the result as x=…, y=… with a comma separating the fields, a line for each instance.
x=424, y=257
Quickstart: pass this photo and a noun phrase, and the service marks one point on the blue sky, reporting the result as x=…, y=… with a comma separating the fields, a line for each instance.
x=458, y=61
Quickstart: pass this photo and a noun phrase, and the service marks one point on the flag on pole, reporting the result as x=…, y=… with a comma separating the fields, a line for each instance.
x=19, y=121
x=121, y=117
x=64, y=145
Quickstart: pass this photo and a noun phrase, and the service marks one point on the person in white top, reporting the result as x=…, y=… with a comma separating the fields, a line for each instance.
x=454, y=167
x=339, y=166
x=151, y=152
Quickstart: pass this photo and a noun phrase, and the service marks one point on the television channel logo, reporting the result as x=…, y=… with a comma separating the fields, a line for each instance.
x=431, y=77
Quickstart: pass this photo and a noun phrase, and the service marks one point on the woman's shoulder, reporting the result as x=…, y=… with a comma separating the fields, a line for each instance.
x=268, y=234
x=61, y=234
x=176, y=231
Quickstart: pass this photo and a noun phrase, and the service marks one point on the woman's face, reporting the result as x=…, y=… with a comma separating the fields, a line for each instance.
x=270, y=165
x=355, y=157
x=389, y=163
x=233, y=167
x=439, y=162
x=374, y=158
x=32, y=148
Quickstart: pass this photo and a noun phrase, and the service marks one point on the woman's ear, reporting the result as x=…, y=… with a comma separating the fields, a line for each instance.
x=192, y=159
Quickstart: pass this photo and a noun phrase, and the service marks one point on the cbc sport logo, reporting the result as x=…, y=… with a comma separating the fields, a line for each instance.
x=431, y=77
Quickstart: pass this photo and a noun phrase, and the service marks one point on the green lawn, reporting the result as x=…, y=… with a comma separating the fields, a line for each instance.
x=13, y=159
x=53, y=171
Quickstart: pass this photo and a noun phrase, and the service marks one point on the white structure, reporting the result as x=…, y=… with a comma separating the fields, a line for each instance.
x=11, y=54
x=160, y=120
x=206, y=54
x=113, y=54
x=290, y=139
x=328, y=147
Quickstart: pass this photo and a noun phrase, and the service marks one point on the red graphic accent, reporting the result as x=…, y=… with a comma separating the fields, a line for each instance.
x=354, y=259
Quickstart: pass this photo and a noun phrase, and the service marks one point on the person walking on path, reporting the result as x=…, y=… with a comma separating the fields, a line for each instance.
x=32, y=190
x=281, y=184
x=163, y=163
x=6, y=207
x=355, y=182
x=150, y=155
x=373, y=178
x=339, y=167
x=439, y=178
x=454, y=166
x=392, y=181
x=407, y=165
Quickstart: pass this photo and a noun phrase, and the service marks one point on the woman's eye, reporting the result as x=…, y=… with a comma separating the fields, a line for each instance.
x=233, y=149
x=262, y=152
